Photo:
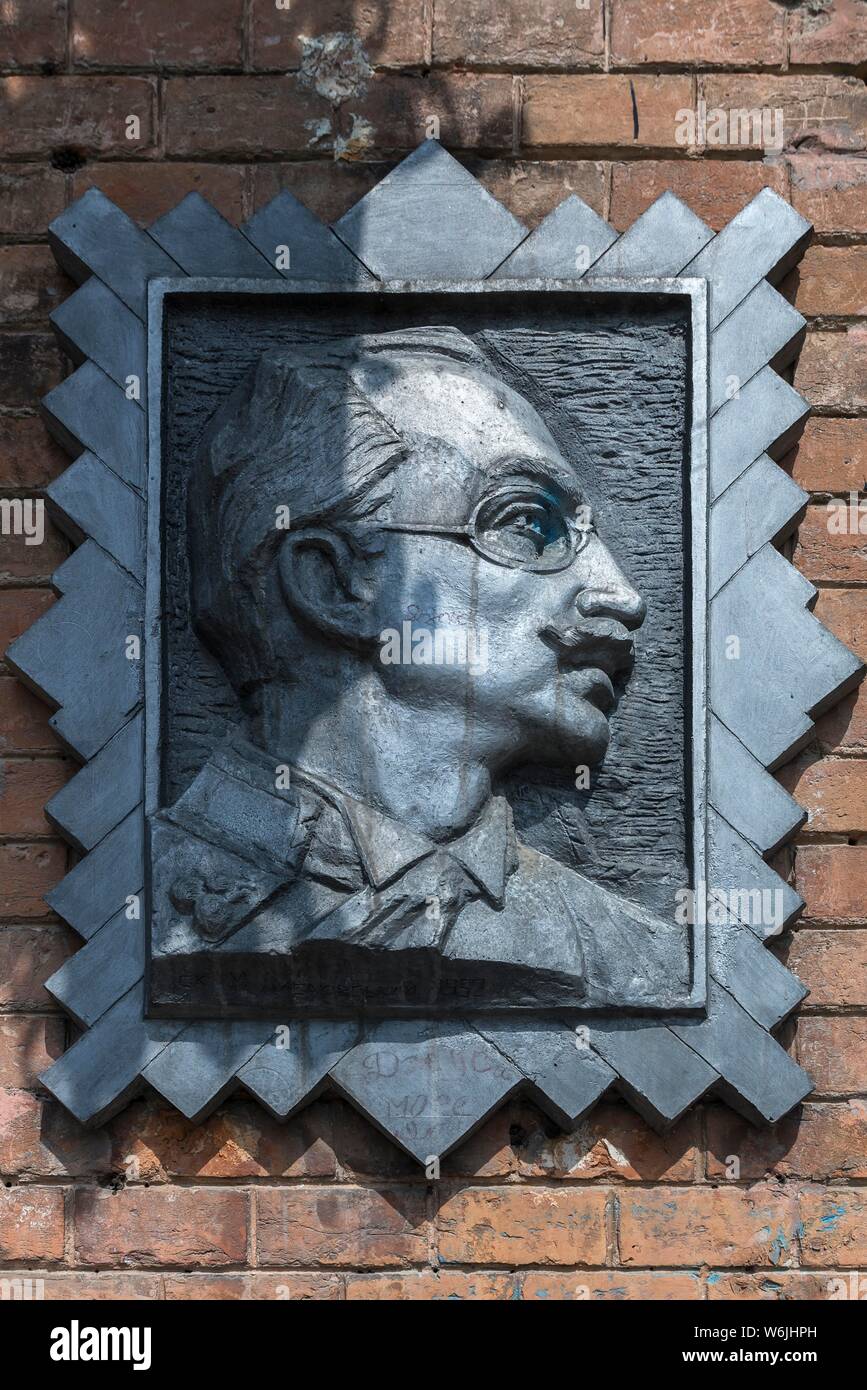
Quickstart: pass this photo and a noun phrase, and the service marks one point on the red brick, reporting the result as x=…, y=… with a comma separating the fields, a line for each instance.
x=830, y=370
x=27, y=872
x=719, y=33
x=19, y=559
x=88, y=114
x=817, y=1142
x=523, y=1225
x=151, y=1142
x=360, y=1151
x=430, y=1286
x=532, y=188
x=547, y=34
x=19, y=608
x=28, y=1044
x=29, y=457
x=832, y=790
x=40, y=1139
x=31, y=195
x=147, y=191
x=23, y=721
x=831, y=455
x=715, y=189
x=844, y=611
x=390, y=37
x=834, y=1224
x=832, y=880
x=283, y=1287
x=771, y=1286
x=829, y=281
x=474, y=111
x=834, y=1052
x=193, y=1227
x=328, y=189
x=833, y=32
x=596, y=112
x=91, y=1287
x=611, y=1142
x=829, y=113
x=617, y=1285
x=833, y=966
x=156, y=34
x=490, y=1151
x=30, y=365
x=24, y=790
x=824, y=553
x=246, y=117
x=28, y=955
x=31, y=1225
x=844, y=729
x=829, y=190
x=341, y=1226
x=31, y=285
x=723, y=1226
x=33, y=33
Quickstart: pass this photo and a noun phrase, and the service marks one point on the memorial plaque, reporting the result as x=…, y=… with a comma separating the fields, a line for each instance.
x=427, y=649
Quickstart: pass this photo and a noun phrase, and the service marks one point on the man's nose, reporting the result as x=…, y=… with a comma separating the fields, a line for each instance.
x=606, y=592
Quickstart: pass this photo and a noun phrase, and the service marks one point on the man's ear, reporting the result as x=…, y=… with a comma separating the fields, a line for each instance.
x=324, y=583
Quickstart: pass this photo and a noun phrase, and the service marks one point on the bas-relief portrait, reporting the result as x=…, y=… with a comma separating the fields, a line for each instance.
x=425, y=705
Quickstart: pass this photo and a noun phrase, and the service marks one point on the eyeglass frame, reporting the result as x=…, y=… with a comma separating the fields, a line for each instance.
x=578, y=533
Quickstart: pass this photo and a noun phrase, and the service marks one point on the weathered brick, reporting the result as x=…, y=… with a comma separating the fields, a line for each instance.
x=845, y=613
x=721, y=33
x=152, y=1142
x=288, y=1287
x=708, y=1225
x=547, y=34
x=27, y=872
x=390, y=37
x=829, y=281
x=148, y=1227
x=830, y=370
x=31, y=1225
x=30, y=196
x=770, y=1285
x=603, y=112
x=341, y=1226
x=31, y=285
x=832, y=964
x=474, y=112
x=532, y=188
x=23, y=721
x=34, y=34
x=39, y=115
x=30, y=365
x=817, y=1142
x=85, y=1286
x=714, y=189
x=157, y=34
x=616, y=1285
x=20, y=558
x=832, y=880
x=147, y=191
x=523, y=1225
x=832, y=790
x=833, y=32
x=834, y=1052
x=830, y=456
x=834, y=1227
x=24, y=790
x=28, y=1044
x=29, y=457
x=824, y=552
x=28, y=955
x=827, y=112
x=40, y=1139
x=431, y=1286
x=490, y=1151
x=328, y=189
x=611, y=1142
x=844, y=729
x=829, y=190
x=19, y=608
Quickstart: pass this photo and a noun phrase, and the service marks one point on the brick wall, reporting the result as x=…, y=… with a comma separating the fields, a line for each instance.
x=539, y=100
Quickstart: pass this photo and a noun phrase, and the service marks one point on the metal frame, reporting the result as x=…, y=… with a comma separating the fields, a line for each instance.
x=430, y=221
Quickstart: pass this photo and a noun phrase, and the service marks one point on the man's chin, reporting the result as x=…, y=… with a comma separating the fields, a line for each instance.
x=579, y=739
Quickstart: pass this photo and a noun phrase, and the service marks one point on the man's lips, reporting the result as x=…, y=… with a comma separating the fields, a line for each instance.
x=602, y=644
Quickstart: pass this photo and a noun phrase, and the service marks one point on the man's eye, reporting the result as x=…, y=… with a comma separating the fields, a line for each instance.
x=526, y=529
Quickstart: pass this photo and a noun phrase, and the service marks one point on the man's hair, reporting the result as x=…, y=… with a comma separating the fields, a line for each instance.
x=301, y=431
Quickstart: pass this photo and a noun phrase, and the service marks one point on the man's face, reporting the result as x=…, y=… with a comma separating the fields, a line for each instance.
x=547, y=647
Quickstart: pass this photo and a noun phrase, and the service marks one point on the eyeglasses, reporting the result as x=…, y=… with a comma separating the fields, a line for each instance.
x=522, y=528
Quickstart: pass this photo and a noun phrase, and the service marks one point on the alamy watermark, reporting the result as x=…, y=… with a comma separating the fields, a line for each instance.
x=23, y=516
x=759, y=907
x=758, y=126
x=438, y=646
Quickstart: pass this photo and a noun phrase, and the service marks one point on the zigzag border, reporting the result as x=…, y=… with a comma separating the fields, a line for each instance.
x=430, y=220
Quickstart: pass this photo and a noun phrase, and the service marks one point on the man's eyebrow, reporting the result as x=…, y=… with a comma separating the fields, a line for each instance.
x=543, y=470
